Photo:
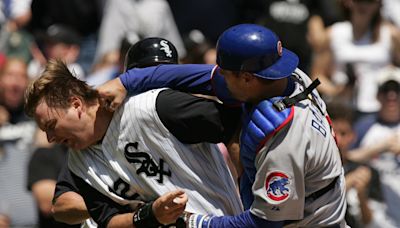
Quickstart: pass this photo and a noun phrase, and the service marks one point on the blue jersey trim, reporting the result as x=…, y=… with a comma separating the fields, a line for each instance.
x=245, y=219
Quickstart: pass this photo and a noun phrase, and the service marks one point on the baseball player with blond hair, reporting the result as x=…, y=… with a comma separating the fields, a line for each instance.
x=152, y=146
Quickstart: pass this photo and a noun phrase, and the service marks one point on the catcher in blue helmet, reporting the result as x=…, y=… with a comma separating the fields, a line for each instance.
x=290, y=166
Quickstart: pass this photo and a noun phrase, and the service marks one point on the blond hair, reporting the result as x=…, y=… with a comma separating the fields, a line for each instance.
x=56, y=85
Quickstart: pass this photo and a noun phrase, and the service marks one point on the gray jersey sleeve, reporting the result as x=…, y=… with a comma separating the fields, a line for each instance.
x=298, y=161
x=279, y=186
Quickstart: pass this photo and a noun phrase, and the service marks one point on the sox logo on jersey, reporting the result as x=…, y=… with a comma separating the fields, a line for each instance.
x=147, y=164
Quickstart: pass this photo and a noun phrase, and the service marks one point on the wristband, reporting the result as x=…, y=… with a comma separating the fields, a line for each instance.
x=182, y=220
x=144, y=217
x=199, y=221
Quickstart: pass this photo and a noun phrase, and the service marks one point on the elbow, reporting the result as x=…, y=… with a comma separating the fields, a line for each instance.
x=68, y=215
x=57, y=215
x=63, y=216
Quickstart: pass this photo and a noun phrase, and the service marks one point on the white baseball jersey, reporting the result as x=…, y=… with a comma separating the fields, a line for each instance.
x=139, y=160
x=299, y=160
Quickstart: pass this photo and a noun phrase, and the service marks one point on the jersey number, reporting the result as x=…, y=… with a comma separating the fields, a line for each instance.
x=123, y=189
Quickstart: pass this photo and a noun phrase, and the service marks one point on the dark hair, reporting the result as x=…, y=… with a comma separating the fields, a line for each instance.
x=341, y=111
x=376, y=20
x=390, y=85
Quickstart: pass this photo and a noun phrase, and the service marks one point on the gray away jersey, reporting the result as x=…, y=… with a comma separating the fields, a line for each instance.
x=139, y=160
x=304, y=152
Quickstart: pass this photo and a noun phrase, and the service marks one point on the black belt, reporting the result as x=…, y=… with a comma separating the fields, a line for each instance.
x=315, y=196
x=323, y=190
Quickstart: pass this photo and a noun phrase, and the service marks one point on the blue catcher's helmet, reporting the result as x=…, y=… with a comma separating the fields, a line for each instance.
x=256, y=49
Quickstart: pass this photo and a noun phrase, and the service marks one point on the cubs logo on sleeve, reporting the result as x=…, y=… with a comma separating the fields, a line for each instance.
x=277, y=188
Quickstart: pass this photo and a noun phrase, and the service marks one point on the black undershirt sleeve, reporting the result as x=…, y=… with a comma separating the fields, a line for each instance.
x=193, y=119
x=65, y=182
x=100, y=207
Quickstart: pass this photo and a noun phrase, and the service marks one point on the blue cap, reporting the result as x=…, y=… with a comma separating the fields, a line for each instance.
x=256, y=49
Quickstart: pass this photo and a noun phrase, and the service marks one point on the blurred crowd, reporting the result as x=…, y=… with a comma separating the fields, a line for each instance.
x=351, y=46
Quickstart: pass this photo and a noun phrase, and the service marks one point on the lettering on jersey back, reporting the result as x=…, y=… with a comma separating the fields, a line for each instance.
x=147, y=164
x=317, y=122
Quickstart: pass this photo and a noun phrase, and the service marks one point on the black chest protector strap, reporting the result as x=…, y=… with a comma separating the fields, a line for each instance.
x=290, y=101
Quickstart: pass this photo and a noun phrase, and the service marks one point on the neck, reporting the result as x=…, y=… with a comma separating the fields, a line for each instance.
x=103, y=119
x=360, y=26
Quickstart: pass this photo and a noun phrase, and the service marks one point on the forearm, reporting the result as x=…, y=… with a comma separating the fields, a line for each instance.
x=245, y=219
x=121, y=221
x=43, y=191
x=366, y=213
x=364, y=154
x=70, y=213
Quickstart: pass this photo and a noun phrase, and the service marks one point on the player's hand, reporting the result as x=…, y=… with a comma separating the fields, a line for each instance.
x=168, y=207
x=361, y=178
x=393, y=144
x=112, y=94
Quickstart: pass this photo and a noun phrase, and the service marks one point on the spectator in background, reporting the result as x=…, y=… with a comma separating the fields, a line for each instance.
x=13, y=84
x=208, y=16
x=44, y=166
x=136, y=20
x=110, y=65
x=390, y=11
x=59, y=42
x=199, y=49
x=14, y=40
x=300, y=24
x=364, y=197
x=83, y=16
x=17, y=207
x=378, y=143
x=15, y=13
x=355, y=51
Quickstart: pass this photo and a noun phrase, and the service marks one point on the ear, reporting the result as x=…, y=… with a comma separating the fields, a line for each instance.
x=77, y=104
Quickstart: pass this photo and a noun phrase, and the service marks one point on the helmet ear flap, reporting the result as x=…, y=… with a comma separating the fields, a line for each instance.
x=150, y=52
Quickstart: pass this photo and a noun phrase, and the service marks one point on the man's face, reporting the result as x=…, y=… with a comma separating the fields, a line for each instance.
x=235, y=84
x=344, y=134
x=390, y=105
x=65, y=126
x=13, y=83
